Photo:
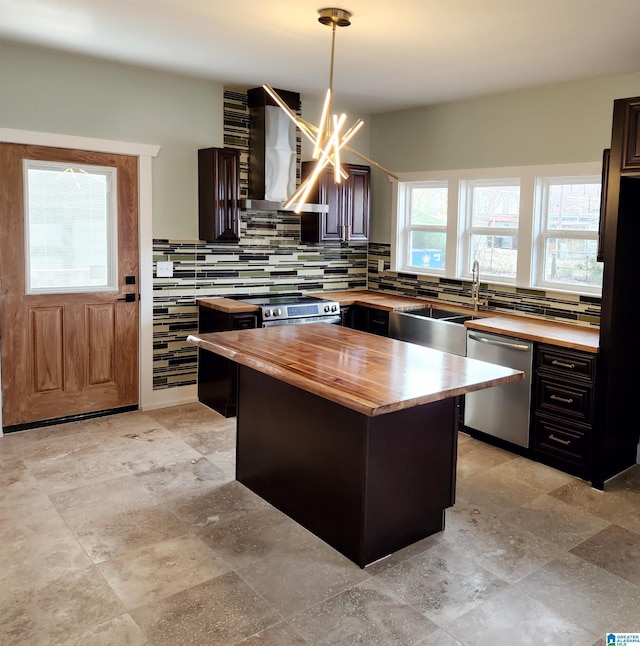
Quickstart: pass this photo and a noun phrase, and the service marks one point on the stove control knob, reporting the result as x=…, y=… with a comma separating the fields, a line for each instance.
x=327, y=308
x=277, y=312
x=334, y=308
x=266, y=313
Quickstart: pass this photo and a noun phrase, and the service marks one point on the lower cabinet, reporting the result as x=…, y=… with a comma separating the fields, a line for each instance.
x=369, y=319
x=217, y=376
x=562, y=421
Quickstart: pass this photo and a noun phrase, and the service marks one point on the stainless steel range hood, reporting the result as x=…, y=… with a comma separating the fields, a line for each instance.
x=273, y=158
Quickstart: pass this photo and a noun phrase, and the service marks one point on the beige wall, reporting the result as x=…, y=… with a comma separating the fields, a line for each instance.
x=553, y=124
x=45, y=90
x=48, y=91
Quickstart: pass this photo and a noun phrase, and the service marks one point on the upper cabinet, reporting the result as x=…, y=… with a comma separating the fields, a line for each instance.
x=219, y=194
x=631, y=137
x=348, y=202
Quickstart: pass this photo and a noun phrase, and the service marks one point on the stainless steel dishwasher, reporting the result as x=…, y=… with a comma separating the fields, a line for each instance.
x=501, y=411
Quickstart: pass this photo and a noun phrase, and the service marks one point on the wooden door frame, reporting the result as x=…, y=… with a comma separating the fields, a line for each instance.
x=145, y=154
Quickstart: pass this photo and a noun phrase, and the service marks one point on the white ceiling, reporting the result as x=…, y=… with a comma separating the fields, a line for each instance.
x=395, y=54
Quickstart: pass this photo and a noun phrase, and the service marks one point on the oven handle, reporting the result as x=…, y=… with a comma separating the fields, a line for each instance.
x=303, y=320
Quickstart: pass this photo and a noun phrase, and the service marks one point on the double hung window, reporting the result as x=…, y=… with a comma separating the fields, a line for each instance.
x=492, y=219
x=568, y=232
x=425, y=231
x=531, y=226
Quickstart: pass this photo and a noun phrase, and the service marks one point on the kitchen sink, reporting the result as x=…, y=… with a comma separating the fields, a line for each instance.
x=444, y=314
x=438, y=329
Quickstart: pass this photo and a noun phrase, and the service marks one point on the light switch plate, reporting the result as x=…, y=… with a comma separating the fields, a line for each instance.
x=164, y=269
x=380, y=265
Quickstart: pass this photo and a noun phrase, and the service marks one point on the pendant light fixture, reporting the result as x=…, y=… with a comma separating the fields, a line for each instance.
x=327, y=137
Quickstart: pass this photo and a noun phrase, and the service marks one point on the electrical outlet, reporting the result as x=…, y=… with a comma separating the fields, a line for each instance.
x=380, y=265
x=164, y=269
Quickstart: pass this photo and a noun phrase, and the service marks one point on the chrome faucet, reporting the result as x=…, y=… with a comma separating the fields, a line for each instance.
x=475, y=284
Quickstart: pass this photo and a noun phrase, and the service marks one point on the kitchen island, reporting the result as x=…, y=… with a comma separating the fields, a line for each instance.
x=352, y=435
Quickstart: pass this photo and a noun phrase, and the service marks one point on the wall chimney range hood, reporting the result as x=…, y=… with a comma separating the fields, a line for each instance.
x=273, y=159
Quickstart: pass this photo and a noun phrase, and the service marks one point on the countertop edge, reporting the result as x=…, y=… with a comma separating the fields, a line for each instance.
x=336, y=394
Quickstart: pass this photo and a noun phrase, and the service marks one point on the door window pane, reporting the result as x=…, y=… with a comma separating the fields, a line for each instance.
x=70, y=228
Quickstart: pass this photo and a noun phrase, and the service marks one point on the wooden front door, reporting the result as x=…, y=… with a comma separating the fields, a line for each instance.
x=72, y=352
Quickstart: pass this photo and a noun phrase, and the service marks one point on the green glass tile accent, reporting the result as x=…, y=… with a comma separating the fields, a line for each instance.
x=531, y=292
x=592, y=320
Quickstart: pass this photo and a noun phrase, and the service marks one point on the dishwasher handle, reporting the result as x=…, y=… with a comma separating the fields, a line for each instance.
x=521, y=347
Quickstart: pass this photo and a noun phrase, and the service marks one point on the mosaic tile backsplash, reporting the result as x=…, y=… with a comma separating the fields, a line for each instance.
x=269, y=259
x=581, y=310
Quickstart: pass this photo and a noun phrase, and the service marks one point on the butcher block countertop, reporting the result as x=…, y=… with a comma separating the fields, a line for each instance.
x=578, y=337
x=560, y=334
x=370, y=374
x=226, y=305
x=370, y=298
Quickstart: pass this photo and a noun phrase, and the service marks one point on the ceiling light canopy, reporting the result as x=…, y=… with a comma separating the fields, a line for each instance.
x=328, y=137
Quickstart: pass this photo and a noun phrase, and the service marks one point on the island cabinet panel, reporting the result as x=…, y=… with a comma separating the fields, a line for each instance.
x=219, y=194
x=217, y=376
x=367, y=486
x=563, y=409
x=347, y=216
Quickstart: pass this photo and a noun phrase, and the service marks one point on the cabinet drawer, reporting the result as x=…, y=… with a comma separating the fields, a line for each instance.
x=563, y=440
x=379, y=322
x=572, y=400
x=244, y=322
x=567, y=362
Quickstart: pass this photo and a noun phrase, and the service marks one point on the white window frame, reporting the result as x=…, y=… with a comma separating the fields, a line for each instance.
x=409, y=227
x=542, y=233
x=467, y=228
x=112, y=227
x=457, y=263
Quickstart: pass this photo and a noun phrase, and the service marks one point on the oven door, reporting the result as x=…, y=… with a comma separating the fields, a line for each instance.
x=302, y=320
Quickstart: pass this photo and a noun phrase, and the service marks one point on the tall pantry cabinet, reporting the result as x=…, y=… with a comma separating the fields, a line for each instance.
x=617, y=428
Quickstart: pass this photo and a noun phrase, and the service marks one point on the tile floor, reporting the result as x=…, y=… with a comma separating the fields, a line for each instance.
x=131, y=530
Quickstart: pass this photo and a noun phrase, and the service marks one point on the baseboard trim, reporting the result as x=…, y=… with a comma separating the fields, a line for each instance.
x=172, y=397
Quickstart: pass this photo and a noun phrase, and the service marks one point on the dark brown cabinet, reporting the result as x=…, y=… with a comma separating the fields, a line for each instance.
x=616, y=430
x=606, y=157
x=563, y=416
x=348, y=202
x=219, y=194
x=370, y=319
x=217, y=376
x=631, y=136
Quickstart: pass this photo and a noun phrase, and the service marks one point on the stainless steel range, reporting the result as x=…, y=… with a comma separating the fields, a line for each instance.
x=294, y=310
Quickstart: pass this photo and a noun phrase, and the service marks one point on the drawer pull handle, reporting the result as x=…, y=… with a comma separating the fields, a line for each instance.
x=559, y=440
x=564, y=400
x=563, y=364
